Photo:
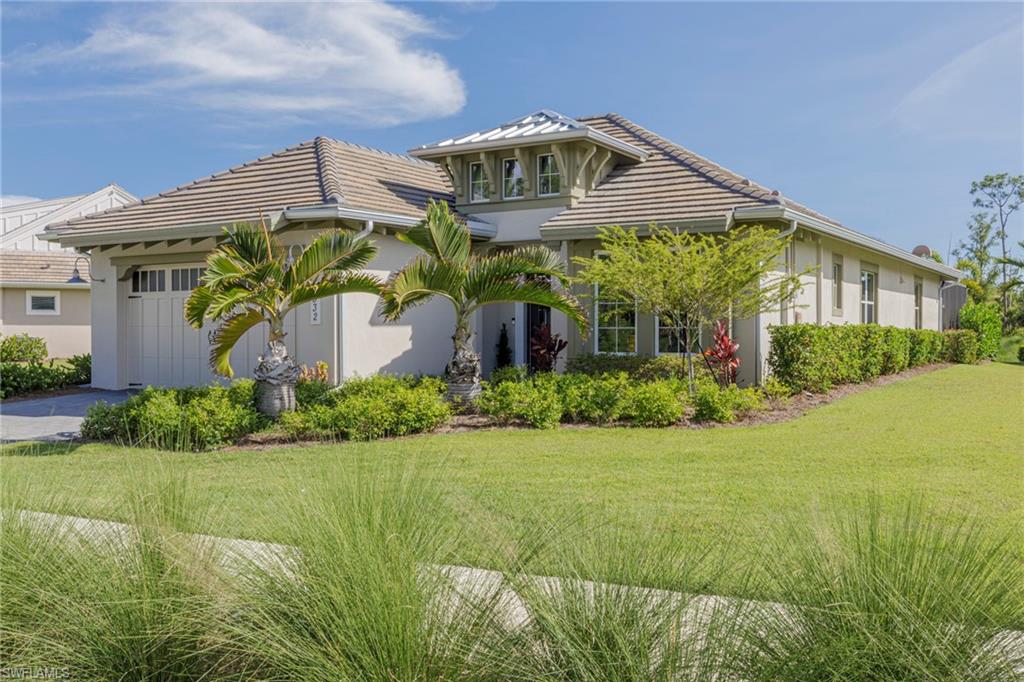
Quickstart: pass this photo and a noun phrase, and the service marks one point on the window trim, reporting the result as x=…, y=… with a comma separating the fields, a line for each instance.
x=867, y=269
x=597, y=326
x=918, y=303
x=469, y=178
x=837, y=285
x=557, y=174
x=504, y=184
x=40, y=293
x=657, y=340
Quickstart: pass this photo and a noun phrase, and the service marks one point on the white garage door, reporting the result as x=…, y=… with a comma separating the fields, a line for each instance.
x=163, y=349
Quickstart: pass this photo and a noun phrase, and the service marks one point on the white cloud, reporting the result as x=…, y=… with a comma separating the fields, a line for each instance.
x=14, y=199
x=975, y=95
x=355, y=60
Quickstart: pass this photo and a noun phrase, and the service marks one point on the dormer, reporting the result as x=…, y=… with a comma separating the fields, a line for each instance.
x=543, y=159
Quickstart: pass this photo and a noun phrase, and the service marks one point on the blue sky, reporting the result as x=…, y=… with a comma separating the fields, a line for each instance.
x=878, y=115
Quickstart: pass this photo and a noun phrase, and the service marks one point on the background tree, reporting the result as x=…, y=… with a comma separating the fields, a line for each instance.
x=692, y=279
x=469, y=281
x=1000, y=194
x=974, y=257
x=249, y=281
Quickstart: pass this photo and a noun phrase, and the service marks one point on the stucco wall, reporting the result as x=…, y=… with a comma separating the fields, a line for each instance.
x=66, y=334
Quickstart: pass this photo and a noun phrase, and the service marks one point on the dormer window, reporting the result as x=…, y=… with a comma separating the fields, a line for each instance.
x=549, y=180
x=477, y=182
x=512, y=184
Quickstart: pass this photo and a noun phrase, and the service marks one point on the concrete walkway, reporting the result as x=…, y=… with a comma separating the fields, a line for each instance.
x=50, y=419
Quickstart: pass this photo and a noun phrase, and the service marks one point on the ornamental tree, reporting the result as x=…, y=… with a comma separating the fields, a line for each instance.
x=692, y=279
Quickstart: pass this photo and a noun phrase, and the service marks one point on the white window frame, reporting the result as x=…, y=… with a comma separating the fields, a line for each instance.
x=597, y=321
x=556, y=174
x=504, y=183
x=483, y=174
x=39, y=293
x=918, y=303
x=864, y=303
x=657, y=340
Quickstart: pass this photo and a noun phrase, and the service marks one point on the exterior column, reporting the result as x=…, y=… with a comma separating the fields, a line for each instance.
x=559, y=320
x=108, y=310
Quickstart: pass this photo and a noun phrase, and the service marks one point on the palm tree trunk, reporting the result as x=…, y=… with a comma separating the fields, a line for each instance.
x=463, y=371
x=276, y=375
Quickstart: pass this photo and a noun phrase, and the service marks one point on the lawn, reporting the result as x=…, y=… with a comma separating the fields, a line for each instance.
x=952, y=437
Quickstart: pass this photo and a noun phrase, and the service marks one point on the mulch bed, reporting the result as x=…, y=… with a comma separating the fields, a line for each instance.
x=777, y=411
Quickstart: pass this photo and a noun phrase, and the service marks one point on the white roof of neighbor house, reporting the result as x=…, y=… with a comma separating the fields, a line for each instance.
x=540, y=126
x=20, y=224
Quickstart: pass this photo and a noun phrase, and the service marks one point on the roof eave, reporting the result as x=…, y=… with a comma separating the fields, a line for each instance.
x=709, y=224
x=624, y=148
x=818, y=225
x=26, y=284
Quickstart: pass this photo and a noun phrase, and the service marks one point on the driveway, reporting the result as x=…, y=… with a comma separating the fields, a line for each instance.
x=52, y=419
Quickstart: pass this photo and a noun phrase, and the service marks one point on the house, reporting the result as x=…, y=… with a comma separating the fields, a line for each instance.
x=545, y=178
x=41, y=296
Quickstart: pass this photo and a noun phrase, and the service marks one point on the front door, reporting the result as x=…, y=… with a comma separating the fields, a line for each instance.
x=536, y=317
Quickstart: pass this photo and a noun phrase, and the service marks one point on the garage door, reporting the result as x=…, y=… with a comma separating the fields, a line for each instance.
x=163, y=349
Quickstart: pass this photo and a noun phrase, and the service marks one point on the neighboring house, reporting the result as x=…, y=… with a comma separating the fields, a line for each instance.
x=37, y=297
x=545, y=178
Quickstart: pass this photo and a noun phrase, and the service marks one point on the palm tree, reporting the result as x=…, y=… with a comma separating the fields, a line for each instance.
x=250, y=280
x=448, y=268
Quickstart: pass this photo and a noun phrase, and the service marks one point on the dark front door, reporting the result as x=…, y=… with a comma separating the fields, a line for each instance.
x=536, y=316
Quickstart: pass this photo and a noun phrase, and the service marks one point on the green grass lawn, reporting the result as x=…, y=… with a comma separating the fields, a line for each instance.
x=1008, y=346
x=954, y=437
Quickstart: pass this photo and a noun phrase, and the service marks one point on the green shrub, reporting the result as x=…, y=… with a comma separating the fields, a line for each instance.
x=809, y=357
x=22, y=348
x=596, y=364
x=925, y=347
x=656, y=403
x=311, y=391
x=1020, y=353
x=986, y=320
x=185, y=419
x=774, y=390
x=370, y=408
x=509, y=373
x=80, y=370
x=17, y=378
x=960, y=345
x=666, y=367
x=593, y=400
x=535, y=402
x=716, y=404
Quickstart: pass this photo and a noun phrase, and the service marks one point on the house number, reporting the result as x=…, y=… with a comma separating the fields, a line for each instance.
x=314, y=312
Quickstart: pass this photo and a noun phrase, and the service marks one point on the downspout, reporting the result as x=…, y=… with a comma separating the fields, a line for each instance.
x=759, y=369
x=817, y=284
x=339, y=312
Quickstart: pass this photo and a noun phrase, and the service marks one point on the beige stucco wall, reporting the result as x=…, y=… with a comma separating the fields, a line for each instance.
x=66, y=334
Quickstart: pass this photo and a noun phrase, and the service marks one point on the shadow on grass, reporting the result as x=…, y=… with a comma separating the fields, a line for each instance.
x=37, y=448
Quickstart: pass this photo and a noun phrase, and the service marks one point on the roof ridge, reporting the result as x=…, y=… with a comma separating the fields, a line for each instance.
x=720, y=174
x=382, y=152
x=328, y=172
x=20, y=205
x=188, y=185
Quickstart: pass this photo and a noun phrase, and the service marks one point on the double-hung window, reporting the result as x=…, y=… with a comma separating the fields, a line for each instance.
x=918, y=302
x=868, y=297
x=512, y=183
x=614, y=323
x=477, y=182
x=549, y=180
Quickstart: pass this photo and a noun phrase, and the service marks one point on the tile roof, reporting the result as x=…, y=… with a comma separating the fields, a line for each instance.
x=543, y=122
x=673, y=183
x=42, y=267
x=313, y=173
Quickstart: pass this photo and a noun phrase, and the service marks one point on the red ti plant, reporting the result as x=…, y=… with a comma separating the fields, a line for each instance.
x=722, y=355
x=545, y=347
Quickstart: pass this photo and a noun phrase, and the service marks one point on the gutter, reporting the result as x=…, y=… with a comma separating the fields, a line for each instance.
x=21, y=284
x=830, y=229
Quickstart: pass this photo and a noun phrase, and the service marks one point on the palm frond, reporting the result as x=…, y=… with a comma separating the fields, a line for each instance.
x=224, y=267
x=197, y=304
x=225, y=301
x=335, y=251
x=440, y=235
x=333, y=285
x=539, y=293
x=416, y=283
x=227, y=335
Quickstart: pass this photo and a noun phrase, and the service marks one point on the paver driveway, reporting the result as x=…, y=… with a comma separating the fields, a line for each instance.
x=56, y=418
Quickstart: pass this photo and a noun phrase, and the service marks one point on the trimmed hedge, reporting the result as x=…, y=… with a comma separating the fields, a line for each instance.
x=17, y=378
x=182, y=419
x=641, y=367
x=22, y=348
x=987, y=321
x=367, y=409
x=816, y=358
x=961, y=345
